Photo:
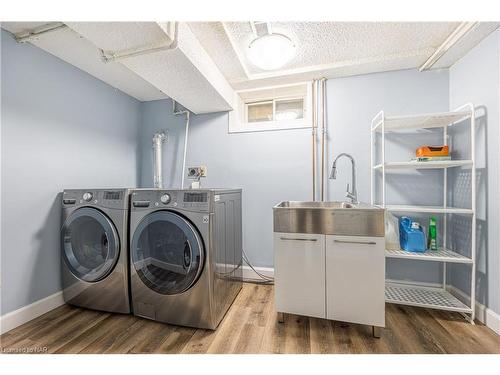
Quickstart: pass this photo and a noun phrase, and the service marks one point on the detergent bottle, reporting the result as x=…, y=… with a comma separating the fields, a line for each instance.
x=432, y=234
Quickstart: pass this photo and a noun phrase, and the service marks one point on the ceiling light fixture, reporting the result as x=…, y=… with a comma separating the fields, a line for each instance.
x=271, y=51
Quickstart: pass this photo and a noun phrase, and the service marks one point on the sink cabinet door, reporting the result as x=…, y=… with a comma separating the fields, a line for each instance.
x=355, y=279
x=299, y=274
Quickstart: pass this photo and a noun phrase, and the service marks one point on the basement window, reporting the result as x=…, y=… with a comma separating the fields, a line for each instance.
x=291, y=109
x=260, y=111
x=272, y=108
x=275, y=110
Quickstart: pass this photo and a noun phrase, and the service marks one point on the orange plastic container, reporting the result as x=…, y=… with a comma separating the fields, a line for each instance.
x=430, y=151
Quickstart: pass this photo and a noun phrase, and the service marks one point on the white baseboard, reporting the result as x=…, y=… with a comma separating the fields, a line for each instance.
x=250, y=275
x=484, y=314
x=492, y=320
x=25, y=314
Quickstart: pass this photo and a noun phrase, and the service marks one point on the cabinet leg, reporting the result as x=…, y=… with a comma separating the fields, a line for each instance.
x=376, y=332
x=281, y=317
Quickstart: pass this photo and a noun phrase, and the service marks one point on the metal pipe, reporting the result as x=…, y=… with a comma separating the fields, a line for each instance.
x=323, y=134
x=322, y=148
x=158, y=139
x=118, y=56
x=383, y=162
x=34, y=33
x=313, y=138
x=371, y=165
x=463, y=29
x=178, y=113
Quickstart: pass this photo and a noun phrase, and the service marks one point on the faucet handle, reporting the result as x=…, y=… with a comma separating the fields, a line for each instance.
x=351, y=196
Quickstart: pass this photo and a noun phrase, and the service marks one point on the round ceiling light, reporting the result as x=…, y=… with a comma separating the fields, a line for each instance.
x=271, y=51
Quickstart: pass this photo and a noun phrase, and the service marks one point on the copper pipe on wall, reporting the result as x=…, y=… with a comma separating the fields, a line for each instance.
x=313, y=135
x=323, y=135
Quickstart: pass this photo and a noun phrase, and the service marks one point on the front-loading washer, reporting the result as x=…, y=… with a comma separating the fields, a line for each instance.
x=185, y=254
x=94, y=249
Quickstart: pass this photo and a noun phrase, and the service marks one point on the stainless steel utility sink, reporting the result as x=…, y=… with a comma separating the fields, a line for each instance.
x=340, y=218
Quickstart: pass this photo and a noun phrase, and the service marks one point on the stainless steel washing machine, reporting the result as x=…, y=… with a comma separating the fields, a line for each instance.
x=94, y=249
x=186, y=254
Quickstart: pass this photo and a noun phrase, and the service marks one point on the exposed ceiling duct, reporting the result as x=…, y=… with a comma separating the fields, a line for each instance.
x=159, y=139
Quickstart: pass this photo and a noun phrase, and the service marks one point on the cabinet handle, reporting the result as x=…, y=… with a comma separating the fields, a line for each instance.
x=357, y=242
x=298, y=239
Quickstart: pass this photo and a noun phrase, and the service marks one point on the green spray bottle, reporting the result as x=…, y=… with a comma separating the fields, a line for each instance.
x=432, y=235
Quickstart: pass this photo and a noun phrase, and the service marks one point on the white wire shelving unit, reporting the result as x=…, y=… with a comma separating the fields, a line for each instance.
x=417, y=294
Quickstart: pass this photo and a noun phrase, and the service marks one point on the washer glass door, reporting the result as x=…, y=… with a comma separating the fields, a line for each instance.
x=167, y=252
x=90, y=244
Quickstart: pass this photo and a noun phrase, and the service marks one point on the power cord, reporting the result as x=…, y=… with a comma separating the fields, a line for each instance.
x=268, y=280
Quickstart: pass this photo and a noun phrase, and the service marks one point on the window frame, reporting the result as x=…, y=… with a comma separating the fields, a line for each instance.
x=238, y=121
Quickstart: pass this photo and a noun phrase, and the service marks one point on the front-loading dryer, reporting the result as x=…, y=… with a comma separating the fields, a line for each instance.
x=94, y=249
x=186, y=254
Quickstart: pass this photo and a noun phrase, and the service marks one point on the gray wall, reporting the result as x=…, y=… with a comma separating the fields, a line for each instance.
x=476, y=78
x=276, y=165
x=61, y=128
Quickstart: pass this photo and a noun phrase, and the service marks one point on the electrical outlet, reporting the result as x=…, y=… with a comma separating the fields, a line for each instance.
x=203, y=169
x=197, y=172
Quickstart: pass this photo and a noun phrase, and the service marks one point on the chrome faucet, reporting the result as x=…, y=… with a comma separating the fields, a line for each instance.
x=353, y=194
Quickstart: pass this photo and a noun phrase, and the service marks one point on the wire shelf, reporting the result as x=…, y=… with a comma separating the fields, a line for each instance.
x=440, y=255
x=428, y=209
x=422, y=121
x=423, y=164
x=434, y=298
x=464, y=195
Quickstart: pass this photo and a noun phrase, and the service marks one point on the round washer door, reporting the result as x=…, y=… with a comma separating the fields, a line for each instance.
x=167, y=252
x=90, y=243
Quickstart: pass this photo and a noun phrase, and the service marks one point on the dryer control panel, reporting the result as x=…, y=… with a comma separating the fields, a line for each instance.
x=180, y=199
x=112, y=198
x=195, y=200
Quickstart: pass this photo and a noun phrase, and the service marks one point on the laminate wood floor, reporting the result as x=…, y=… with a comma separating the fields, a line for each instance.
x=250, y=326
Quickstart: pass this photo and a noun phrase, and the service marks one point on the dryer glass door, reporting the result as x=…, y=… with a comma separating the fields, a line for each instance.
x=90, y=244
x=167, y=252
